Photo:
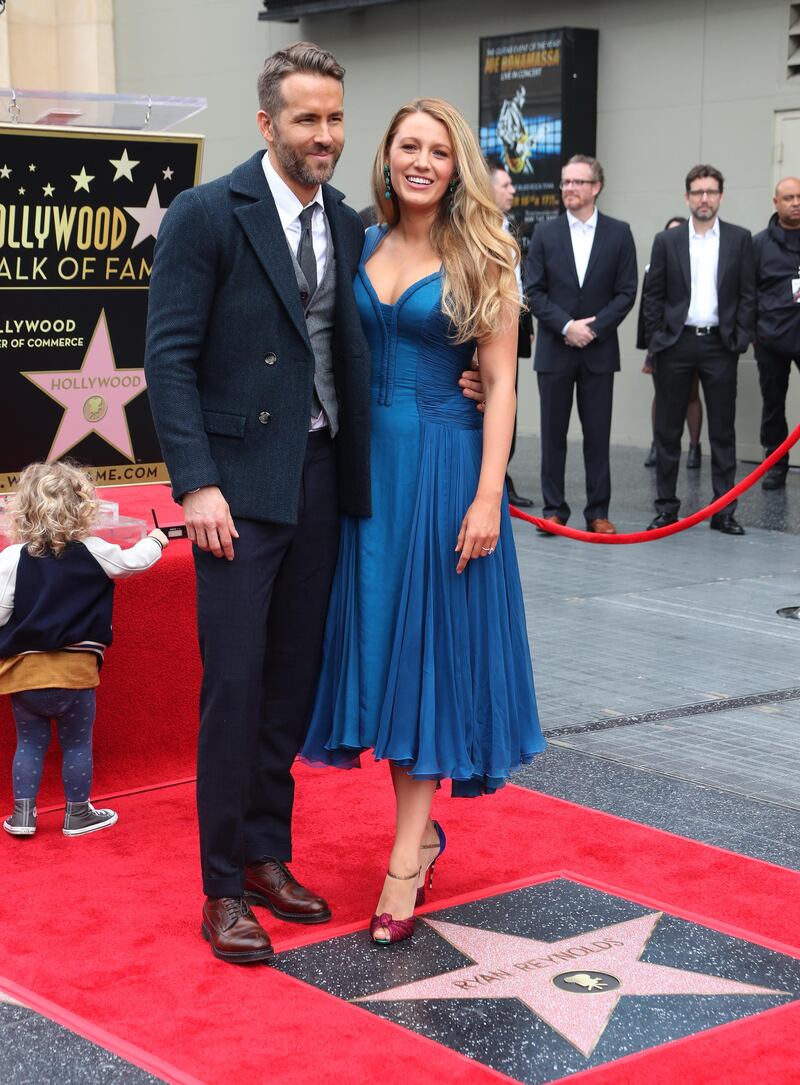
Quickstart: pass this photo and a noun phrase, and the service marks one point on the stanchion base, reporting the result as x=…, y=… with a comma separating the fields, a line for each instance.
x=788, y=612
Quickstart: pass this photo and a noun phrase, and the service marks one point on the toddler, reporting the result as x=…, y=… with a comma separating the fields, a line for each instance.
x=56, y=597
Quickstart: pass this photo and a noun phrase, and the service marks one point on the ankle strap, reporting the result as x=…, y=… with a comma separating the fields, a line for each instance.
x=404, y=877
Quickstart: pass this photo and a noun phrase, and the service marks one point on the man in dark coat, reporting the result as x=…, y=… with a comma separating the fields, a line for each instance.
x=699, y=309
x=581, y=282
x=777, y=346
x=258, y=377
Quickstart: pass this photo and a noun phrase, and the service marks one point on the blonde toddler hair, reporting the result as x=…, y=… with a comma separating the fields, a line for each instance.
x=55, y=504
x=479, y=292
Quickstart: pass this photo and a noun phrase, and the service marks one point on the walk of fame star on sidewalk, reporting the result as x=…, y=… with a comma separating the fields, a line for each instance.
x=94, y=396
x=513, y=967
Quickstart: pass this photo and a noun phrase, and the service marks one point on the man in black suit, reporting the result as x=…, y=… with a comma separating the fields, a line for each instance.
x=581, y=283
x=504, y=192
x=699, y=313
x=258, y=377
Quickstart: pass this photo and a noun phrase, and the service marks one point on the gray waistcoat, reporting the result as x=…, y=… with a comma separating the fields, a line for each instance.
x=319, y=321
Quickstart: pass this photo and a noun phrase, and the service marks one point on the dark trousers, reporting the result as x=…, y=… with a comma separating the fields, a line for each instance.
x=716, y=368
x=261, y=619
x=773, y=375
x=594, y=393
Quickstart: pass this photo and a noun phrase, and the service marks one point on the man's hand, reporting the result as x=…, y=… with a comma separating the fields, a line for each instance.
x=472, y=387
x=579, y=334
x=209, y=521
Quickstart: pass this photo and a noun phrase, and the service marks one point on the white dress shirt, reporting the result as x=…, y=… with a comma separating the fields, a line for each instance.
x=581, y=234
x=704, y=263
x=582, y=237
x=289, y=208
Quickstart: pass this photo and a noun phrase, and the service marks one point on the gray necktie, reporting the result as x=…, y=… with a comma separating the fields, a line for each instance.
x=305, y=253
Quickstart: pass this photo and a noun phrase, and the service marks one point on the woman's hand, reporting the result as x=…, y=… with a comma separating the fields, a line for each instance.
x=479, y=532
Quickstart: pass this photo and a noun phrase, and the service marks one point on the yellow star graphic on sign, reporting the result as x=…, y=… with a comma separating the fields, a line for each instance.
x=123, y=166
x=82, y=179
x=48, y=190
x=5, y=172
x=32, y=168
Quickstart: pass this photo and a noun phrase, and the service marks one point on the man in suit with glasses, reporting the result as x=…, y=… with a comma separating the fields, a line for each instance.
x=581, y=282
x=699, y=315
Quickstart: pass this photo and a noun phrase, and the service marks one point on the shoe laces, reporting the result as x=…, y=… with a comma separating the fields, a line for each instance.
x=235, y=908
x=284, y=875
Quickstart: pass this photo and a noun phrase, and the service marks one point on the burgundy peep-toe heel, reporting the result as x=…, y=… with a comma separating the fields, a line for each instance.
x=399, y=929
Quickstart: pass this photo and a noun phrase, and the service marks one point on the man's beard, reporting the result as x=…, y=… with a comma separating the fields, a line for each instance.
x=298, y=167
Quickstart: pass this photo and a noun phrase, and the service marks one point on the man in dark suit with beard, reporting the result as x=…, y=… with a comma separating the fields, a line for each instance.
x=699, y=313
x=581, y=282
x=258, y=377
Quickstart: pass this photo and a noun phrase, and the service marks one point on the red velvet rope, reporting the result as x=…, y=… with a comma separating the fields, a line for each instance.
x=670, y=529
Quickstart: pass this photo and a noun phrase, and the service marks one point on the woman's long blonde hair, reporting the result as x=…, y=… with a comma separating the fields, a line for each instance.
x=55, y=504
x=479, y=292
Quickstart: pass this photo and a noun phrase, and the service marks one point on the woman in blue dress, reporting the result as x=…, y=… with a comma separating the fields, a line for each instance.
x=426, y=657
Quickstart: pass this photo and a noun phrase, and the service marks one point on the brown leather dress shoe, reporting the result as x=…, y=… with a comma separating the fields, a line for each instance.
x=233, y=931
x=272, y=884
x=601, y=527
x=551, y=520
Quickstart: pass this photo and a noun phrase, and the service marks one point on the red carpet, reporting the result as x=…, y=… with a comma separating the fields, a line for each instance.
x=107, y=927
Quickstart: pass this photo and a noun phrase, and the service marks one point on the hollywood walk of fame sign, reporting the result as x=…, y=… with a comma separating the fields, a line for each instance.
x=80, y=212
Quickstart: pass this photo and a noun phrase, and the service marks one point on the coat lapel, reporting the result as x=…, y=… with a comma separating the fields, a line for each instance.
x=724, y=252
x=331, y=198
x=567, y=243
x=682, y=244
x=261, y=224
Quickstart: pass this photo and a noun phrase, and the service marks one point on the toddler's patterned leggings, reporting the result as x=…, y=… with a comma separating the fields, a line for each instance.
x=73, y=710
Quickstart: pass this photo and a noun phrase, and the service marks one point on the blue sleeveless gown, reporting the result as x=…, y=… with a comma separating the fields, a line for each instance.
x=429, y=669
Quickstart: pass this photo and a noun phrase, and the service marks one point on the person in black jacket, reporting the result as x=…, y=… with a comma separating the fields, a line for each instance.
x=581, y=282
x=56, y=601
x=777, y=253
x=699, y=312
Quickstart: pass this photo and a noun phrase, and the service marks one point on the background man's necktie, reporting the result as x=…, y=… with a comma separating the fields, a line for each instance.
x=305, y=253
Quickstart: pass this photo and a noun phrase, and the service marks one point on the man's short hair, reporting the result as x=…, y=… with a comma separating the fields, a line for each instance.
x=303, y=56
x=586, y=160
x=494, y=165
x=697, y=172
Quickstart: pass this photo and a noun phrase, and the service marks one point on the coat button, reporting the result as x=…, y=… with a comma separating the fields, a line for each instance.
x=270, y=359
x=264, y=417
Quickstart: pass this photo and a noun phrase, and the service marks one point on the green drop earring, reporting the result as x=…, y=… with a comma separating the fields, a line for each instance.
x=451, y=188
x=387, y=180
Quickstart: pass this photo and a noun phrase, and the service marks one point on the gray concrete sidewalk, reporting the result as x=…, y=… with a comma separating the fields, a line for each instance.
x=666, y=661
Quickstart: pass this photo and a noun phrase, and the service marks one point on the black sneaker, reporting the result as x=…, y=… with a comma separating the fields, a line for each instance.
x=23, y=821
x=81, y=818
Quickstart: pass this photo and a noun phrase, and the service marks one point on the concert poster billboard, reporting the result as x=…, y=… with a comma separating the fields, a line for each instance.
x=80, y=211
x=538, y=106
